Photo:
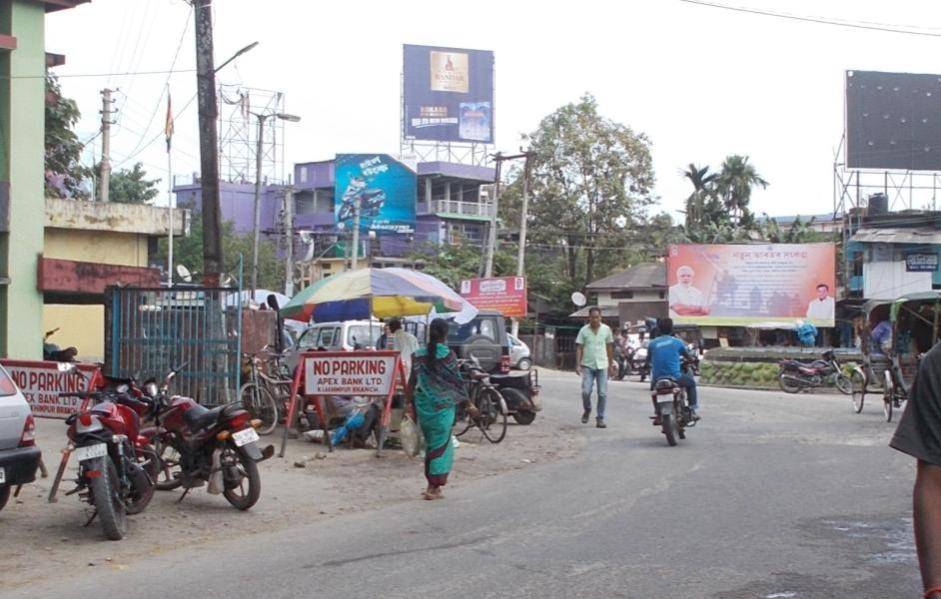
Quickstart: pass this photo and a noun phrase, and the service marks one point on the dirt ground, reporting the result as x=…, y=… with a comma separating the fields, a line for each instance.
x=39, y=537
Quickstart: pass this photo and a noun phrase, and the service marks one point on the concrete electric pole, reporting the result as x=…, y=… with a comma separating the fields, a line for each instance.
x=492, y=237
x=104, y=176
x=289, y=241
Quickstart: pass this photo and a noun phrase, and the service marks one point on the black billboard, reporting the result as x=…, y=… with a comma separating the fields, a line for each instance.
x=448, y=94
x=893, y=121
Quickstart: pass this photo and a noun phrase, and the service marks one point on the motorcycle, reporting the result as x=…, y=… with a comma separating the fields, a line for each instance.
x=197, y=445
x=671, y=405
x=520, y=391
x=795, y=375
x=370, y=203
x=640, y=364
x=117, y=466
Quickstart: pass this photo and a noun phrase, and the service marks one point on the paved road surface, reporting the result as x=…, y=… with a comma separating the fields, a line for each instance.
x=771, y=496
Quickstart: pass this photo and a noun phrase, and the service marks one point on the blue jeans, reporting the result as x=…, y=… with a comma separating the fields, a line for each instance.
x=589, y=378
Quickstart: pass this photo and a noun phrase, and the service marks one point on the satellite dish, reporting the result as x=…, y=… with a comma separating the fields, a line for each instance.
x=228, y=280
x=579, y=299
x=184, y=273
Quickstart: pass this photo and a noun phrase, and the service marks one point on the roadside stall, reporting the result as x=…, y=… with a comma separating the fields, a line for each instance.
x=360, y=295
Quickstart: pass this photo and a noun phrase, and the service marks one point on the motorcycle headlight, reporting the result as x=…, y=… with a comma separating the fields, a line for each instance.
x=151, y=389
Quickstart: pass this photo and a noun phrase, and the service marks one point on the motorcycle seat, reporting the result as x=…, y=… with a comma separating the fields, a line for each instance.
x=808, y=370
x=666, y=384
x=200, y=417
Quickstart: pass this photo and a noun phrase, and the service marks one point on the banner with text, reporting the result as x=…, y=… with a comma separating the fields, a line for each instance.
x=41, y=383
x=503, y=294
x=763, y=286
x=349, y=373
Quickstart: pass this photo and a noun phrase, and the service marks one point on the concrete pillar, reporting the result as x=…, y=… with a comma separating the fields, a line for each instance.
x=22, y=115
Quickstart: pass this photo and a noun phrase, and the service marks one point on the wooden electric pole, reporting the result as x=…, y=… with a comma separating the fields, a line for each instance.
x=213, y=262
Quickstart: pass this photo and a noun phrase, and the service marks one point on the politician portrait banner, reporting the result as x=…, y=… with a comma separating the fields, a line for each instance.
x=766, y=286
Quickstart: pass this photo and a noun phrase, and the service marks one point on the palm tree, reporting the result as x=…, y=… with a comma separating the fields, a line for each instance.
x=734, y=186
x=703, y=187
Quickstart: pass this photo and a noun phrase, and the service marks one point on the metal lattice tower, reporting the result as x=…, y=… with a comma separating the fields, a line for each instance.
x=238, y=134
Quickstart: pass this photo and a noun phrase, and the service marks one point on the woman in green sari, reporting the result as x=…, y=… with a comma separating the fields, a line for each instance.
x=435, y=389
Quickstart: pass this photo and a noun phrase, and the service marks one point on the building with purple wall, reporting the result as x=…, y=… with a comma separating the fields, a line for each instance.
x=453, y=204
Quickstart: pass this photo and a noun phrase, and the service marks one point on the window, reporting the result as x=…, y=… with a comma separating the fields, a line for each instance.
x=7, y=386
x=622, y=295
x=363, y=335
x=302, y=174
x=858, y=264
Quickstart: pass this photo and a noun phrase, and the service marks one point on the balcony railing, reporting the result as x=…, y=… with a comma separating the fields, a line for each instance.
x=455, y=207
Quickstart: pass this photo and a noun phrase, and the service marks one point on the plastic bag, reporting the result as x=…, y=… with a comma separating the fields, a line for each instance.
x=410, y=436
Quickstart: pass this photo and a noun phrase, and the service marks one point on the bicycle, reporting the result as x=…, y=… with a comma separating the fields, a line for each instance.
x=491, y=407
x=265, y=396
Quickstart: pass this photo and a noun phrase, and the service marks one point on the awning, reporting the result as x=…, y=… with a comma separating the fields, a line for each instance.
x=896, y=235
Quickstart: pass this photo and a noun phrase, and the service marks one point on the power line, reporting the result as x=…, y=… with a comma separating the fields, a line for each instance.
x=817, y=20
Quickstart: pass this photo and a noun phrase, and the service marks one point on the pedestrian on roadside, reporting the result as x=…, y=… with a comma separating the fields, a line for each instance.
x=594, y=359
x=919, y=435
x=436, y=389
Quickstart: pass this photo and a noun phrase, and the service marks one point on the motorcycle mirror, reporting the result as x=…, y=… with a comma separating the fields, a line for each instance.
x=272, y=302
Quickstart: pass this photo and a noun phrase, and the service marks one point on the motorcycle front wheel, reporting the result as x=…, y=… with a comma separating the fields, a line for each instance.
x=106, y=496
x=843, y=383
x=240, y=478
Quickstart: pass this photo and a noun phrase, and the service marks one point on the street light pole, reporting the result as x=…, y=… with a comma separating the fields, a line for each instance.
x=256, y=229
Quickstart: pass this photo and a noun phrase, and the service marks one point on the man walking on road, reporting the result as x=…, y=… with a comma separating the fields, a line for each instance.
x=594, y=357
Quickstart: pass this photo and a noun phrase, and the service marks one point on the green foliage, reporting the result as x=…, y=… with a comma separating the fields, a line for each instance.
x=64, y=172
x=188, y=251
x=128, y=186
x=590, y=187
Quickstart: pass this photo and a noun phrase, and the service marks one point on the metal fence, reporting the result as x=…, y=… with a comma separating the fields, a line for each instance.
x=150, y=331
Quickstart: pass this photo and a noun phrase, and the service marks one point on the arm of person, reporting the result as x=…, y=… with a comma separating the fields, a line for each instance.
x=410, y=395
x=612, y=365
x=927, y=515
x=579, y=350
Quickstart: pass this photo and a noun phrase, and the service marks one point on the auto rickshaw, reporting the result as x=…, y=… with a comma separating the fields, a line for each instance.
x=915, y=320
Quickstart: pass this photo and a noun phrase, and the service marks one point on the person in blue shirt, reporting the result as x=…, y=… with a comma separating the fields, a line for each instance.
x=665, y=354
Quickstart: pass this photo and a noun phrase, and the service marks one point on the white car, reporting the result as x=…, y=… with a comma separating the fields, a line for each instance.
x=520, y=356
x=19, y=456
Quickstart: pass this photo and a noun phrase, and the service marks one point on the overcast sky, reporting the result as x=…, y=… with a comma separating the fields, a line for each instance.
x=700, y=82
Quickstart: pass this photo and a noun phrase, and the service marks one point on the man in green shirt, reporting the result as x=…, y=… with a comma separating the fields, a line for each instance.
x=594, y=357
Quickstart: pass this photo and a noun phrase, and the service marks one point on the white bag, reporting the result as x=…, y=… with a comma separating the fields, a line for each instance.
x=410, y=436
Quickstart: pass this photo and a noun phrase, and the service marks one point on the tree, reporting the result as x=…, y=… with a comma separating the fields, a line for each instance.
x=188, y=251
x=64, y=171
x=591, y=185
x=704, y=194
x=734, y=186
x=130, y=186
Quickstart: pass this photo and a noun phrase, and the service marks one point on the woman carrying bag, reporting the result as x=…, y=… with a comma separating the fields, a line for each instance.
x=436, y=389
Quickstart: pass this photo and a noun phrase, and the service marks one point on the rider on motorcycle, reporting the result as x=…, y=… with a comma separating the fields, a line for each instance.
x=665, y=354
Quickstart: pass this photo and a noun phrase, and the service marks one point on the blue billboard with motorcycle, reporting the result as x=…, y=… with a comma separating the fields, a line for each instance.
x=448, y=94
x=383, y=189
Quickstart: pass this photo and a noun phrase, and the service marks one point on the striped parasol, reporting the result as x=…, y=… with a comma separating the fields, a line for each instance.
x=372, y=292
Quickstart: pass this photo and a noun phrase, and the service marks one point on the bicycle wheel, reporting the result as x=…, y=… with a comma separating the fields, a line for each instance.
x=843, y=383
x=260, y=404
x=492, y=421
x=462, y=422
x=858, y=380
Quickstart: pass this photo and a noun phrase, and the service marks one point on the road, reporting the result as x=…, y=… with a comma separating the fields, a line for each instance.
x=770, y=496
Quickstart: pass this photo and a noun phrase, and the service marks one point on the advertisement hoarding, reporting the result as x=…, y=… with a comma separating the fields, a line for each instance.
x=41, y=383
x=384, y=188
x=764, y=286
x=503, y=294
x=448, y=94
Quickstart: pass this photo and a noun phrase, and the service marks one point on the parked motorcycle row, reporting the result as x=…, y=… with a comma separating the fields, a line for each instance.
x=131, y=439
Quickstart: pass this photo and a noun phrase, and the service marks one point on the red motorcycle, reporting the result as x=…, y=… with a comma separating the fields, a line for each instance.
x=197, y=445
x=117, y=466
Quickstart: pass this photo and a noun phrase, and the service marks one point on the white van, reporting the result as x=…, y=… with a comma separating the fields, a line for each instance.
x=341, y=336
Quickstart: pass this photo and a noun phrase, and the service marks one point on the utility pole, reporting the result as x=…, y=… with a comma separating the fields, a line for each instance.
x=355, y=233
x=521, y=253
x=492, y=241
x=208, y=144
x=255, y=223
x=104, y=179
x=289, y=240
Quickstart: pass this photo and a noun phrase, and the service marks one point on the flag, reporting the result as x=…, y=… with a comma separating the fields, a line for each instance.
x=168, y=127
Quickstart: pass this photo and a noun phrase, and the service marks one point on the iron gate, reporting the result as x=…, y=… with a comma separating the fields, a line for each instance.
x=149, y=331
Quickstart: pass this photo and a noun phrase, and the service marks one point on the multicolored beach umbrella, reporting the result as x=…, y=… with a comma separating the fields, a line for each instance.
x=372, y=292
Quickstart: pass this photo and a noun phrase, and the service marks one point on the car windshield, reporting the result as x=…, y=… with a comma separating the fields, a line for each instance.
x=459, y=333
x=363, y=335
